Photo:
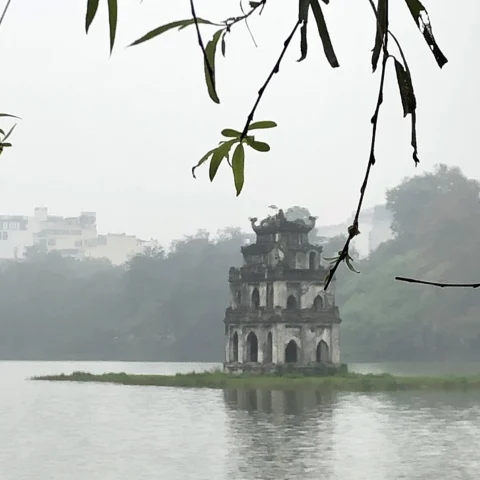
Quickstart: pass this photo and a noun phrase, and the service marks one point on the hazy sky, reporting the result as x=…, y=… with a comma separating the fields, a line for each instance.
x=119, y=135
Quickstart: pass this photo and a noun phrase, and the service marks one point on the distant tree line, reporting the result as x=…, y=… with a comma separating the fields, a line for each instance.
x=168, y=305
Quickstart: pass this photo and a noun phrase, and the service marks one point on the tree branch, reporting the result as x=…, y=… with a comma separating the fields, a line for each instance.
x=211, y=73
x=353, y=230
x=438, y=284
x=5, y=11
x=275, y=70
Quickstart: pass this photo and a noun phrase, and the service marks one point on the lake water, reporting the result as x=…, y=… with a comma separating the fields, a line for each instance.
x=68, y=431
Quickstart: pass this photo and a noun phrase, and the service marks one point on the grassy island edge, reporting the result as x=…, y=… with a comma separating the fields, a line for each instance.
x=355, y=382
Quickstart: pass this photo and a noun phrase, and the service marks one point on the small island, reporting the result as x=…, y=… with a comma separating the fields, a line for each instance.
x=353, y=382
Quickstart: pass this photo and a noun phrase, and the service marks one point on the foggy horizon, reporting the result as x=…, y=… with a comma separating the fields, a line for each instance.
x=119, y=135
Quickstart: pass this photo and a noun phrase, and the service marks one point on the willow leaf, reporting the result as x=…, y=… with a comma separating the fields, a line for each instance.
x=209, y=65
x=238, y=167
x=92, y=7
x=323, y=32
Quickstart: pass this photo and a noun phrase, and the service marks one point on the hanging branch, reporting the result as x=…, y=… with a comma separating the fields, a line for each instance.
x=240, y=139
x=353, y=231
x=274, y=70
x=5, y=11
x=208, y=65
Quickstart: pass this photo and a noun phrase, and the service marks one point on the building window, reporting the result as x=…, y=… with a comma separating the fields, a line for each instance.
x=312, y=261
x=291, y=302
x=52, y=242
x=322, y=352
x=4, y=235
x=291, y=352
x=252, y=348
x=268, y=358
x=318, y=303
x=78, y=243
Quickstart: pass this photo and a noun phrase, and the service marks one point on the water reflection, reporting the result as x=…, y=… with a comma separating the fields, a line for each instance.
x=92, y=431
x=309, y=434
x=280, y=433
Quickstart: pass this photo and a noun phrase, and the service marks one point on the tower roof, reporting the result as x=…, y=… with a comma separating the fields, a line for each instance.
x=279, y=223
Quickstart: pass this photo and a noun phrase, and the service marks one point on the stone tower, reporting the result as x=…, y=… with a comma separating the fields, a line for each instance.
x=279, y=312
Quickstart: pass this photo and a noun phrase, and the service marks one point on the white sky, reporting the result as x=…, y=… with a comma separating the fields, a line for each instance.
x=119, y=135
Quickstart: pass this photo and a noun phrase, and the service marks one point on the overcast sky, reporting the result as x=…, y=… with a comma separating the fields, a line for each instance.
x=119, y=135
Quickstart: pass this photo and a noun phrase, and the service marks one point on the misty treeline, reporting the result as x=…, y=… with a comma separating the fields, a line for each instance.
x=169, y=304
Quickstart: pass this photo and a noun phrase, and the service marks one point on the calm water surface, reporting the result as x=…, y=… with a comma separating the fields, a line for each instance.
x=55, y=431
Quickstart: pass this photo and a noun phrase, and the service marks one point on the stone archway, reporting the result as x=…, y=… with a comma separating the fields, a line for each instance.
x=235, y=347
x=291, y=352
x=268, y=358
x=291, y=302
x=252, y=348
x=322, y=352
x=318, y=303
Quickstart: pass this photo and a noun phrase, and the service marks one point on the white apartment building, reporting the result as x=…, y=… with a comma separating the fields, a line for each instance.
x=72, y=236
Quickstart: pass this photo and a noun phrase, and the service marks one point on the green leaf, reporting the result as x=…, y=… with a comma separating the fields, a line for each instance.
x=229, y=132
x=256, y=145
x=8, y=115
x=331, y=259
x=420, y=15
x=409, y=102
x=169, y=26
x=202, y=161
x=112, y=21
x=382, y=29
x=6, y=144
x=209, y=65
x=405, y=87
x=238, y=167
x=219, y=154
x=350, y=266
x=323, y=32
x=254, y=4
x=262, y=124
x=92, y=7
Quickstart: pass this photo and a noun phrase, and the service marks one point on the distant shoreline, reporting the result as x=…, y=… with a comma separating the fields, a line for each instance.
x=354, y=382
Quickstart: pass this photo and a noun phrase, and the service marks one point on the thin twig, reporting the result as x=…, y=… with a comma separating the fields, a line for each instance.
x=211, y=73
x=5, y=11
x=438, y=284
x=246, y=15
x=234, y=20
x=275, y=70
x=353, y=229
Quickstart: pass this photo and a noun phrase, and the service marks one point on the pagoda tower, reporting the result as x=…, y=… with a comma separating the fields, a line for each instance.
x=279, y=312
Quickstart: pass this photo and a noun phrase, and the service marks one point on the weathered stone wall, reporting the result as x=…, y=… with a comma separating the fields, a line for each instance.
x=306, y=337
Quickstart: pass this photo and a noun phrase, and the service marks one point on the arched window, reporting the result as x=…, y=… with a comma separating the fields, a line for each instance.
x=252, y=347
x=312, y=260
x=291, y=302
x=318, y=303
x=255, y=299
x=322, y=352
x=291, y=352
x=269, y=351
x=235, y=347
